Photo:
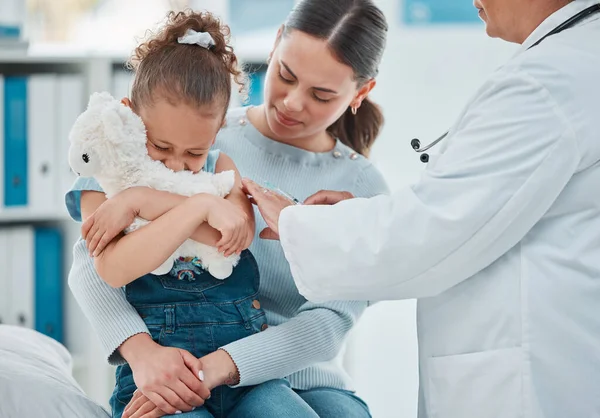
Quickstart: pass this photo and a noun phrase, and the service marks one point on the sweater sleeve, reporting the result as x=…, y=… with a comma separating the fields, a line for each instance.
x=112, y=317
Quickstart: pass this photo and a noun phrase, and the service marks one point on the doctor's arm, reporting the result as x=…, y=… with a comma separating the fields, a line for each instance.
x=505, y=164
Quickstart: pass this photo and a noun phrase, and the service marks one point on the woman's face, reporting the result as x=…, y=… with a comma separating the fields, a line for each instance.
x=306, y=88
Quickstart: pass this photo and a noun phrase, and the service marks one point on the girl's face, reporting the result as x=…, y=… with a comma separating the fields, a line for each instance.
x=181, y=135
x=306, y=88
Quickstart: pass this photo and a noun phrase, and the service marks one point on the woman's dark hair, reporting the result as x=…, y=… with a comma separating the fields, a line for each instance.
x=198, y=76
x=355, y=31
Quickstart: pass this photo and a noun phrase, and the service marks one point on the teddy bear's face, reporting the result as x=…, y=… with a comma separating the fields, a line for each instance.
x=107, y=139
x=84, y=161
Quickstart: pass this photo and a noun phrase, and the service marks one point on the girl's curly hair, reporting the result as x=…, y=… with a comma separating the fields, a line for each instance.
x=186, y=73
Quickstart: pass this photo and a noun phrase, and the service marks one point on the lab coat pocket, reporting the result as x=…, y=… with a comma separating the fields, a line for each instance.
x=479, y=385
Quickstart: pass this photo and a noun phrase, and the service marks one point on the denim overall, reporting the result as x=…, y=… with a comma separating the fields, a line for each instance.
x=190, y=309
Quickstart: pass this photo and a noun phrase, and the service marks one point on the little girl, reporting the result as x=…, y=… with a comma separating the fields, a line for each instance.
x=181, y=91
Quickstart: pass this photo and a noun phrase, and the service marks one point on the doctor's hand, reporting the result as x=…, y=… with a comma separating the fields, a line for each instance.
x=270, y=205
x=328, y=197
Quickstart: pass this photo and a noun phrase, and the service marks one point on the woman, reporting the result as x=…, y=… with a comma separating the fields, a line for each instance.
x=311, y=133
x=500, y=237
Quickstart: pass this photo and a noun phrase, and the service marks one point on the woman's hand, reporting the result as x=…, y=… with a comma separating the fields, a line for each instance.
x=109, y=220
x=171, y=378
x=269, y=204
x=219, y=369
x=230, y=220
x=328, y=197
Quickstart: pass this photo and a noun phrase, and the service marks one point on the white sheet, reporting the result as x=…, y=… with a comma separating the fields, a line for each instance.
x=36, y=380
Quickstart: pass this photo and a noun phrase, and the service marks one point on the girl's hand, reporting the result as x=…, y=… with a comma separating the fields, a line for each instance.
x=230, y=220
x=142, y=407
x=109, y=220
x=270, y=206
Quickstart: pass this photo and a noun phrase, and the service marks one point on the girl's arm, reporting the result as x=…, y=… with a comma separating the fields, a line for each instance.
x=239, y=198
x=129, y=257
x=150, y=204
x=111, y=217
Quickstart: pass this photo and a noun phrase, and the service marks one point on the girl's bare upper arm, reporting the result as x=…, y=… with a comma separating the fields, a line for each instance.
x=90, y=201
x=225, y=163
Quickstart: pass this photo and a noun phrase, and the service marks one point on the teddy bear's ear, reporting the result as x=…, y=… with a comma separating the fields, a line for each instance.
x=100, y=99
x=113, y=123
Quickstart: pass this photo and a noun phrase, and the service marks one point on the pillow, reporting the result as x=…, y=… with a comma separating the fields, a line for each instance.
x=36, y=379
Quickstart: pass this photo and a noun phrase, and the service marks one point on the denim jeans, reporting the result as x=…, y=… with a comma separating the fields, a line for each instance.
x=275, y=399
x=190, y=309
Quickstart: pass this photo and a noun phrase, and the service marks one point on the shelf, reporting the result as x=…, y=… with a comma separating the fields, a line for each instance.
x=252, y=47
x=8, y=216
x=61, y=54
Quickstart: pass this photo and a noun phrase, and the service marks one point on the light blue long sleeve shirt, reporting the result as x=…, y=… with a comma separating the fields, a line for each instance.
x=304, y=340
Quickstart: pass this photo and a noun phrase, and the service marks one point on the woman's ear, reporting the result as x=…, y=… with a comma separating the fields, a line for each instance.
x=362, y=93
x=126, y=102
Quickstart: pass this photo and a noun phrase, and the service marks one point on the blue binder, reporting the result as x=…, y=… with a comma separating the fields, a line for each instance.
x=15, y=141
x=48, y=270
x=10, y=32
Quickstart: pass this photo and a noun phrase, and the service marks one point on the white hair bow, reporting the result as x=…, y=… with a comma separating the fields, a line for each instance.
x=199, y=38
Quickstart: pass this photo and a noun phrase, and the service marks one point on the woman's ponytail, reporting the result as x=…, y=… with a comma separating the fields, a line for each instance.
x=359, y=131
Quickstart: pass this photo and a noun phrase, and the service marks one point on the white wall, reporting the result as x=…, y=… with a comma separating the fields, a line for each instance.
x=427, y=76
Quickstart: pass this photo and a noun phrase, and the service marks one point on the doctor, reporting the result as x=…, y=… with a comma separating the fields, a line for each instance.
x=499, y=239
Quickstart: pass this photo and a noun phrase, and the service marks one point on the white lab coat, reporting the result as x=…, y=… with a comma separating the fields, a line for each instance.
x=500, y=240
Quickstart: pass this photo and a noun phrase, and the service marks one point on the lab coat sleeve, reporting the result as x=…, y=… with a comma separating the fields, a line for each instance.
x=506, y=162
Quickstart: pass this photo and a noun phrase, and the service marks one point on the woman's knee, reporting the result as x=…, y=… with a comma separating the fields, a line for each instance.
x=334, y=403
x=273, y=399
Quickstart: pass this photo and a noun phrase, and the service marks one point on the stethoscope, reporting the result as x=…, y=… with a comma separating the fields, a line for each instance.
x=416, y=143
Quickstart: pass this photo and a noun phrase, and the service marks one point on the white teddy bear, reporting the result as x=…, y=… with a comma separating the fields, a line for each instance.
x=108, y=142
